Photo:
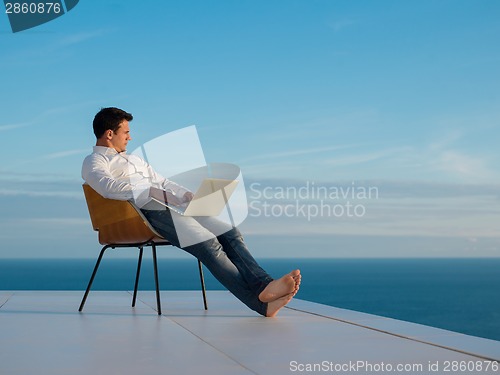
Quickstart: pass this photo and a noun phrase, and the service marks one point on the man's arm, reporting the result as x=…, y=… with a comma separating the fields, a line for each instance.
x=176, y=191
x=96, y=173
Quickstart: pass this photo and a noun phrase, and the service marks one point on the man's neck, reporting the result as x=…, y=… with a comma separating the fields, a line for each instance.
x=103, y=143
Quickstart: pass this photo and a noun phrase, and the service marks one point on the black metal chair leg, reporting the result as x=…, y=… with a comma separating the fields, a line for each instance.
x=202, y=279
x=139, y=264
x=137, y=276
x=155, y=263
x=92, y=277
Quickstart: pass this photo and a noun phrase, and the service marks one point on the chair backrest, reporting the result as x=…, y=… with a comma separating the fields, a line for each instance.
x=118, y=222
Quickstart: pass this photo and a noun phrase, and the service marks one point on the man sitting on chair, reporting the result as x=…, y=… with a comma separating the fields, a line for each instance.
x=115, y=175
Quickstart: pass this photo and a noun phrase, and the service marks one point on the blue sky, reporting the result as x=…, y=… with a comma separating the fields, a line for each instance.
x=403, y=96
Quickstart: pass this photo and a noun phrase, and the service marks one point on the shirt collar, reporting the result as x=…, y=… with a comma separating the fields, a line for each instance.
x=105, y=150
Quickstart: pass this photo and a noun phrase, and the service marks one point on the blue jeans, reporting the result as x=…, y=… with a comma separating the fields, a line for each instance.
x=225, y=255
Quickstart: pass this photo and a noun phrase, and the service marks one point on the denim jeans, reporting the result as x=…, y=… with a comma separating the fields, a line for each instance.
x=225, y=255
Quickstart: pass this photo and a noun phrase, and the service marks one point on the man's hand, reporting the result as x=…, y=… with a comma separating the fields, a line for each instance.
x=166, y=196
x=172, y=199
x=188, y=196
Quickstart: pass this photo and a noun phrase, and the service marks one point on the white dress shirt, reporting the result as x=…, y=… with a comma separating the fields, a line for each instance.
x=120, y=176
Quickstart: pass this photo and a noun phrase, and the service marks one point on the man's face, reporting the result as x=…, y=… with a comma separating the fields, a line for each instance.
x=120, y=139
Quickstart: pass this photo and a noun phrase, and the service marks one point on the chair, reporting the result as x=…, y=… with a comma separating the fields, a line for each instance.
x=122, y=224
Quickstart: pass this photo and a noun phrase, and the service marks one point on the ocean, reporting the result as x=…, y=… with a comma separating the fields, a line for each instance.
x=460, y=295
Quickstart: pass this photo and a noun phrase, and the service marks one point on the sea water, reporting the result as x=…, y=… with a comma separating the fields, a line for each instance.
x=460, y=295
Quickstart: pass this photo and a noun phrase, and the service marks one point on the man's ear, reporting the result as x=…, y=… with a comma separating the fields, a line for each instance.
x=109, y=134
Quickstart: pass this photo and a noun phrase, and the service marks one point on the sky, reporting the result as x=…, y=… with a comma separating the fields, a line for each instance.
x=318, y=103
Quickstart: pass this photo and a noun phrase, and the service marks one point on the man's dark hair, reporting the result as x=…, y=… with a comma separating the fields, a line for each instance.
x=109, y=119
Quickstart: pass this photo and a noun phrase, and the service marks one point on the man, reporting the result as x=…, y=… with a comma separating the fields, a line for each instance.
x=116, y=175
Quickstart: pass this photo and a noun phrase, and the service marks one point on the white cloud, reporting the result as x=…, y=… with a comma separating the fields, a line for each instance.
x=359, y=158
x=307, y=151
x=39, y=185
x=62, y=154
x=38, y=118
x=13, y=126
x=446, y=141
x=41, y=193
x=460, y=164
x=48, y=50
x=447, y=157
x=81, y=37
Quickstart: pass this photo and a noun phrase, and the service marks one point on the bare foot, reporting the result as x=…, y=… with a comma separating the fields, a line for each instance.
x=281, y=287
x=297, y=277
x=276, y=305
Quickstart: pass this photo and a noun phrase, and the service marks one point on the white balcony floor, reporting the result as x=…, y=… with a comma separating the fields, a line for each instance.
x=43, y=333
